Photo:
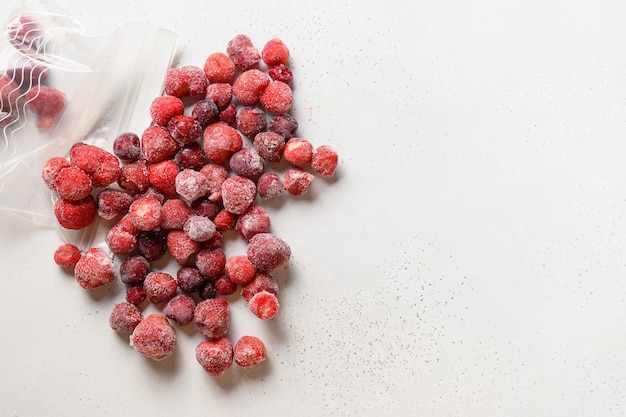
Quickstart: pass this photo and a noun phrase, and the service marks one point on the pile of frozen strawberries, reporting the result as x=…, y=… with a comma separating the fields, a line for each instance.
x=222, y=141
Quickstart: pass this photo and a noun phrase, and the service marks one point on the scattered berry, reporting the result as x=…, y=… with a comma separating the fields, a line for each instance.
x=113, y=203
x=94, y=269
x=207, y=291
x=250, y=121
x=191, y=156
x=127, y=147
x=249, y=86
x=255, y=220
x=215, y=356
x=159, y=287
x=157, y=144
x=229, y=115
x=224, y=286
x=249, y=351
x=324, y=161
x=199, y=228
x=225, y=220
x=281, y=73
x=134, y=177
x=163, y=108
x=145, y=213
x=211, y=317
x=189, y=279
x=220, y=142
x=75, y=215
x=215, y=175
x=285, y=125
x=277, y=97
x=125, y=317
x=152, y=244
x=219, y=68
x=211, y=263
x=174, y=214
x=181, y=247
x=206, y=111
x=191, y=184
x=67, y=255
x=269, y=146
x=154, y=337
x=238, y=193
x=180, y=309
x=298, y=151
x=264, y=305
x=268, y=252
x=269, y=185
x=185, y=82
x=162, y=176
x=247, y=163
x=242, y=52
x=275, y=52
x=134, y=270
x=51, y=169
x=103, y=167
x=239, y=269
x=135, y=294
x=206, y=208
x=122, y=237
x=297, y=181
x=261, y=282
x=73, y=184
x=221, y=94
x=47, y=103
x=184, y=129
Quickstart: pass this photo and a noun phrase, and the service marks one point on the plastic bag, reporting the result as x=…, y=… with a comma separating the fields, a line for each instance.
x=108, y=80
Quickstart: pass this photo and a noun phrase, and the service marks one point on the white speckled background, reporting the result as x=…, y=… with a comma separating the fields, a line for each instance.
x=468, y=260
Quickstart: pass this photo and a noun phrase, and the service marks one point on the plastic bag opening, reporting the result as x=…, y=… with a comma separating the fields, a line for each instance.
x=107, y=81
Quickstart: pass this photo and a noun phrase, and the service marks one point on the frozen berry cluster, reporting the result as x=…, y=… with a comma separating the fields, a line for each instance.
x=220, y=137
x=25, y=81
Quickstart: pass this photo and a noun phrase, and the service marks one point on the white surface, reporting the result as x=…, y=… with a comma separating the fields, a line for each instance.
x=467, y=261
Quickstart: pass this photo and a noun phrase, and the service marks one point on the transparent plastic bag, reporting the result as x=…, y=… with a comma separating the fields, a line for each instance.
x=108, y=80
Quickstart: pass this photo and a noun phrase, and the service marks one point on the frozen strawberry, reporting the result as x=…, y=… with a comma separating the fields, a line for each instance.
x=275, y=52
x=181, y=247
x=159, y=287
x=125, y=317
x=51, y=169
x=47, y=103
x=113, y=203
x=185, y=81
x=211, y=263
x=73, y=183
x=102, y=166
x=94, y=269
x=77, y=214
x=134, y=177
x=242, y=52
x=67, y=255
x=249, y=351
x=154, y=337
x=268, y=252
x=145, y=213
x=220, y=142
x=211, y=317
x=261, y=282
x=219, y=68
x=163, y=108
x=264, y=305
x=215, y=356
x=180, y=309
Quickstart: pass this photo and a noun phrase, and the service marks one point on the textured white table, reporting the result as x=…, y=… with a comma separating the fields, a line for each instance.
x=468, y=260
